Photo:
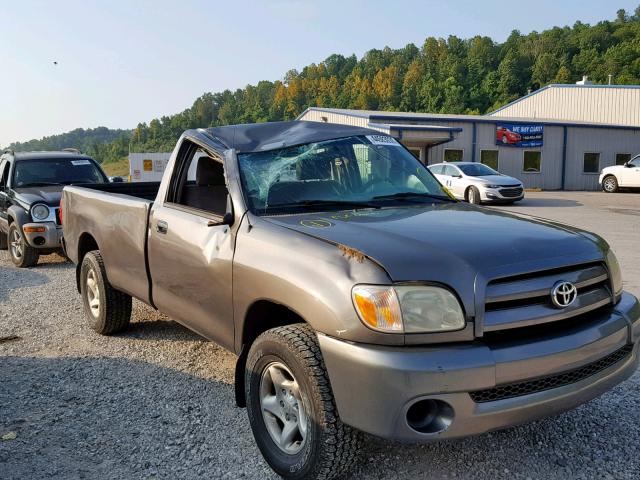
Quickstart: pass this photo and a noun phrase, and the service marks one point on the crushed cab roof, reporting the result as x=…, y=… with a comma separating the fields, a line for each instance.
x=258, y=137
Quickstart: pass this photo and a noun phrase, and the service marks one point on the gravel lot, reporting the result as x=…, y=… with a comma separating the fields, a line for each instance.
x=157, y=401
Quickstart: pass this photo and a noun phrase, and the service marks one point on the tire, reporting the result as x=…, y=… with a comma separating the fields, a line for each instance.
x=328, y=448
x=22, y=255
x=505, y=140
x=610, y=184
x=473, y=196
x=107, y=310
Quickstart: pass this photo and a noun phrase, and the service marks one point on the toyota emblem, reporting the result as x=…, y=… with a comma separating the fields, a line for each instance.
x=563, y=294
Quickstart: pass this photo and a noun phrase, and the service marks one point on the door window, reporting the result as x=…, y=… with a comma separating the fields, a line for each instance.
x=199, y=181
x=451, y=171
x=635, y=162
x=437, y=169
x=4, y=173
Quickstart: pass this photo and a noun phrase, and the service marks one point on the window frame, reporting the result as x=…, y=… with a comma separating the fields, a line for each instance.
x=444, y=154
x=531, y=173
x=497, y=169
x=598, y=170
x=188, y=149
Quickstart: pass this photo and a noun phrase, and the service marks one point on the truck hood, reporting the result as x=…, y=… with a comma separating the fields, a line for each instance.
x=453, y=244
x=49, y=195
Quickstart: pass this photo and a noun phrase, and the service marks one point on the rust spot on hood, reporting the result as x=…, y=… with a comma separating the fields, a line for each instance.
x=351, y=253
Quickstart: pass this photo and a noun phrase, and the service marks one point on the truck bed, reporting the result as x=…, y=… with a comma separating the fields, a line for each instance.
x=113, y=216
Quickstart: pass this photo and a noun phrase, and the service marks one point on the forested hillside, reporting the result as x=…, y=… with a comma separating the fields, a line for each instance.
x=102, y=143
x=450, y=75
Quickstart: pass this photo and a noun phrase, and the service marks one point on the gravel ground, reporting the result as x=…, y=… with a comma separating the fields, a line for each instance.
x=157, y=401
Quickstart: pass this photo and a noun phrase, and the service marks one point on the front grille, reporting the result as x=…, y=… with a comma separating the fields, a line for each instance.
x=518, y=389
x=525, y=300
x=57, y=211
x=511, y=192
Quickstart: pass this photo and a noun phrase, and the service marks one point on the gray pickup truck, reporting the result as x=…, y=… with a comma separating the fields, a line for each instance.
x=356, y=292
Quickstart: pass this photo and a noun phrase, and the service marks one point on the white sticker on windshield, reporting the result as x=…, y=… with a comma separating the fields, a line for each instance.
x=80, y=162
x=382, y=140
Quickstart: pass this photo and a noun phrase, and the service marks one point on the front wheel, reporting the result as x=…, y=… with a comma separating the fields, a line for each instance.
x=610, y=184
x=473, y=196
x=21, y=253
x=292, y=410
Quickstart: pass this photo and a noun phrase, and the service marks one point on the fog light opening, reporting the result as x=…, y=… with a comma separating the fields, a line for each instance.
x=39, y=241
x=430, y=416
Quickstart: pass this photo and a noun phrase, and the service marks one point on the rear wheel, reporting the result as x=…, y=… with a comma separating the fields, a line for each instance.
x=473, y=196
x=292, y=410
x=610, y=184
x=22, y=255
x=107, y=310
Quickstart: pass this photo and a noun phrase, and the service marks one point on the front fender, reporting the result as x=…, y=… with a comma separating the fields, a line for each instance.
x=307, y=275
x=17, y=214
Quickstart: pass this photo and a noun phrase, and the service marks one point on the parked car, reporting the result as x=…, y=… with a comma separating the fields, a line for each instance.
x=477, y=183
x=357, y=294
x=30, y=189
x=506, y=136
x=617, y=176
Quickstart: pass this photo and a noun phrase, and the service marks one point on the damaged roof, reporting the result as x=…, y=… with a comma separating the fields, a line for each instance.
x=258, y=137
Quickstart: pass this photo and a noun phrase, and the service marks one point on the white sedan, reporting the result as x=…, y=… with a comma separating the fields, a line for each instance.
x=627, y=175
x=477, y=183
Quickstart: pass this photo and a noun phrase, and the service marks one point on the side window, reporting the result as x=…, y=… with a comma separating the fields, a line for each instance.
x=437, y=170
x=635, y=162
x=4, y=173
x=451, y=171
x=199, y=181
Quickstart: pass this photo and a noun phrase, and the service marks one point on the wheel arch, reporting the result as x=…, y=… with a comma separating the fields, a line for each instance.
x=86, y=243
x=262, y=315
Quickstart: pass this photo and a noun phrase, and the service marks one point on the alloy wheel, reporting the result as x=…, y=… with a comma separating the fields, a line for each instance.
x=16, y=244
x=283, y=408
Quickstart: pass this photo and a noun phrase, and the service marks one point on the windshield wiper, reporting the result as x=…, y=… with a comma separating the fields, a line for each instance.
x=409, y=195
x=313, y=203
x=38, y=184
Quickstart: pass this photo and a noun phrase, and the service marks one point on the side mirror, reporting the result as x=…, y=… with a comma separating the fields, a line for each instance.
x=628, y=165
x=227, y=219
x=116, y=179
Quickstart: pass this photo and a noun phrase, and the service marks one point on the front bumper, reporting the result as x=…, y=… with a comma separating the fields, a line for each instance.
x=375, y=386
x=495, y=195
x=42, y=235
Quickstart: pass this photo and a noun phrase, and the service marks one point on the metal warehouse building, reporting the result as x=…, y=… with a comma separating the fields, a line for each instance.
x=557, y=138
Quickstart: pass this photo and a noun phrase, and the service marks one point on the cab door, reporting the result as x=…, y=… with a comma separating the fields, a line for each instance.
x=190, y=247
x=4, y=194
x=632, y=173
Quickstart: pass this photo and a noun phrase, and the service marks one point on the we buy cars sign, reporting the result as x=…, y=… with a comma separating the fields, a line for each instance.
x=518, y=135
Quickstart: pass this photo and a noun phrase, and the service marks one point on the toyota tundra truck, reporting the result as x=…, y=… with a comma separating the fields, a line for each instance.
x=357, y=293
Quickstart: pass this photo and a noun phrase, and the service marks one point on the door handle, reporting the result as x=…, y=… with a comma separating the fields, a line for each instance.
x=162, y=226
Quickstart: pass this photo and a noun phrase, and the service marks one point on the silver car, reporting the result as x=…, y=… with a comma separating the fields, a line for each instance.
x=478, y=183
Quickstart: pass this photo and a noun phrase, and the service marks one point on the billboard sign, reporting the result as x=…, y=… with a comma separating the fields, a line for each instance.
x=517, y=135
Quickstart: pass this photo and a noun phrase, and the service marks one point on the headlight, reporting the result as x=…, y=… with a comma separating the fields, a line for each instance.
x=40, y=212
x=614, y=271
x=409, y=309
x=492, y=186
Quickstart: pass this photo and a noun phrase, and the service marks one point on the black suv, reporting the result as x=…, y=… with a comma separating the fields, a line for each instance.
x=31, y=185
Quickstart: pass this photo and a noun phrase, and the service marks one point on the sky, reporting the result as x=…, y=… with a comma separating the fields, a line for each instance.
x=124, y=62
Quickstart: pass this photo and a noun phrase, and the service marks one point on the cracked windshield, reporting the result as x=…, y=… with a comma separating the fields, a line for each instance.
x=369, y=171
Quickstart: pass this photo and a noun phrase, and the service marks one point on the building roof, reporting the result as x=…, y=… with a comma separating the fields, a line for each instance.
x=600, y=104
x=256, y=137
x=375, y=116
